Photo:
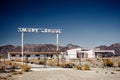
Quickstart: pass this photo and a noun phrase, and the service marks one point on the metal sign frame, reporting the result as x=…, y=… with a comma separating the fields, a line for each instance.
x=42, y=30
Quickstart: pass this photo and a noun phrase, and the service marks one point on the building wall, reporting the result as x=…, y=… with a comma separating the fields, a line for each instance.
x=91, y=54
x=72, y=54
x=28, y=56
x=75, y=53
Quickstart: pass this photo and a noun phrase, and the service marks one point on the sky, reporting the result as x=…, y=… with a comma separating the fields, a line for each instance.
x=87, y=23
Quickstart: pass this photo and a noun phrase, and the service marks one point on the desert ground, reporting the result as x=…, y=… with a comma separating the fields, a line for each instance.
x=97, y=72
x=70, y=74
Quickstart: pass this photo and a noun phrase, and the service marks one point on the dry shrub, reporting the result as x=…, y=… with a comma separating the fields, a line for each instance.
x=2, y=68
x=118, y=63
x=67, y=65
x=25, y=68
x=41, y=61
x=78, y=67
x=112, y=73
x=9, y=75
x=56, y=60
x=86, y=67
x=20, y=72
x=12, y=59
x=14, y=73
x=33, y=61
x=62, y=64
x=18, y=59
x=72, y=60
x=107, y=62
x=12, y=65
x=15, y=65
x=88, y=59
x=8, y=63
x=50, y=63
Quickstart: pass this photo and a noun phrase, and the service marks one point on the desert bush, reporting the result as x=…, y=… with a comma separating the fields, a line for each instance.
x=8, y=63
x=9, y=75
x=62, y=64
x=86, y=67
x=18, y=59
x=2, y=68
x=72, y=60
x=20, y=72
x=112, y=73
x=12, y=59
x=15, y=65
x=118, y=63
x=41, y=61
x=67, y=65
x=50, y=63
x=33, y=61
x=78, y=67
x=12, y=65
x=14, y=73
x=56, y=60
x=107, y=62
x=88, y=59
x=25, y=68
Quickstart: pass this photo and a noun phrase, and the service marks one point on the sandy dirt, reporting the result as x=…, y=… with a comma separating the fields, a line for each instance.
x=69, y=74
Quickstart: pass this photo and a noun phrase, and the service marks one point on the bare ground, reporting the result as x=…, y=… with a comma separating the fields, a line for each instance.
x=70, y=74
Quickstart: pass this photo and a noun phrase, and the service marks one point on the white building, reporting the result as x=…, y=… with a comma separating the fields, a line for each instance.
x=88, y=53
x=72, y=53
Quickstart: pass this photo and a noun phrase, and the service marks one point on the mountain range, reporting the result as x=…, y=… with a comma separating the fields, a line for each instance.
x=35, y=48
x=50, y=47
x=115, y=47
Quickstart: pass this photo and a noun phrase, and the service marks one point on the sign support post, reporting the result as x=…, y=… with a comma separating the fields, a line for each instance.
x=22, y=48
x=57, y=48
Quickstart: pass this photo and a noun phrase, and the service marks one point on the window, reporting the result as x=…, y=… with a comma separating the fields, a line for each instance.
x=27, y=55
x=13, y=55
x=37, y=55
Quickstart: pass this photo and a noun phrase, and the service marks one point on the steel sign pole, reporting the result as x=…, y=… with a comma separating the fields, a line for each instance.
x=57, y=47
x=57, y=35
x=22, y=48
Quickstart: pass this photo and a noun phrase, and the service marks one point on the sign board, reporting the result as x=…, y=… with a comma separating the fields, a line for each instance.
x=44, y=30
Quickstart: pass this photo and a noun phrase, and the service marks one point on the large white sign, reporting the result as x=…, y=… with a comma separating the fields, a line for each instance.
x=39, y=30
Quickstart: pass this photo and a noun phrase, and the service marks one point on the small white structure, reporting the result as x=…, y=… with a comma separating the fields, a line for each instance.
x=88, y=53
x=72, y=53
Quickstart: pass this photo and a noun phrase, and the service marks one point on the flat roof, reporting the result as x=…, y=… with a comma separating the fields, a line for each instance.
x=33, y=52
x=104, y=51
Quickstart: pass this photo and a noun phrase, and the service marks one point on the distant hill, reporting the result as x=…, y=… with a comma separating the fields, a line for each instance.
x=50, y=47
x=35, y=48
x=115, y=47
